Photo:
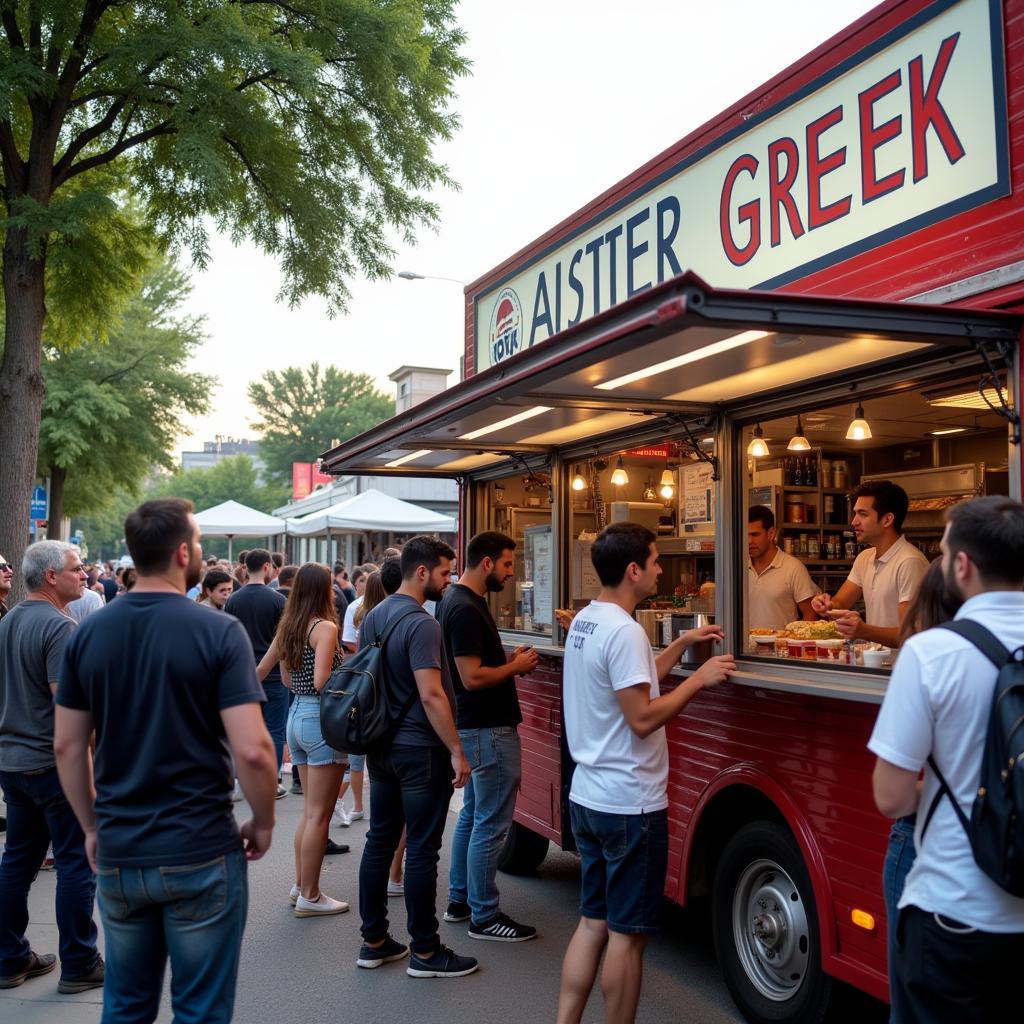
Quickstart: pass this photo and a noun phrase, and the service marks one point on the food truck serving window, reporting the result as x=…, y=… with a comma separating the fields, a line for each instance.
x=939, y=442
x=519, y=505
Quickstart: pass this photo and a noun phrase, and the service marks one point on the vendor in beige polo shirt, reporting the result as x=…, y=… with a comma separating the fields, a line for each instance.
x=887, y=574
x=779, y=590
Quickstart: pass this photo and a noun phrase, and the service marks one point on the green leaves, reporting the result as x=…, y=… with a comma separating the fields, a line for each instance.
x=303, y=412
x=113, y=410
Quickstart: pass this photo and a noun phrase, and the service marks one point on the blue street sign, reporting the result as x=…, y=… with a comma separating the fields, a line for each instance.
x=38, y=507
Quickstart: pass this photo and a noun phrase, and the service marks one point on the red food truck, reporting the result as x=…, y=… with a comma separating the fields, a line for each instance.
x=845, y=244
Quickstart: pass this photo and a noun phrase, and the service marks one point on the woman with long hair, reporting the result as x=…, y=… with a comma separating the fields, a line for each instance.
x=306, y=645
x=932, y=606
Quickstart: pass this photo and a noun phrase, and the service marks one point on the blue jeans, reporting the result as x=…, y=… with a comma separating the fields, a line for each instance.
x=410, y=787
x=495, y=755
x=38, y=814
x=899, y=859
x=194, y=913
x=275, y=716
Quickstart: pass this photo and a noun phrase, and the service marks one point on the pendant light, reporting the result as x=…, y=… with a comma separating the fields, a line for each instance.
x=578, y=482
x=758, y=447
x=859, y=430
x=619, y=477
x=798, y=443
x=667, y=483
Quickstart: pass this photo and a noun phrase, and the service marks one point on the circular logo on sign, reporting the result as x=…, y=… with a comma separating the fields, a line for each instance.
x=506, y=326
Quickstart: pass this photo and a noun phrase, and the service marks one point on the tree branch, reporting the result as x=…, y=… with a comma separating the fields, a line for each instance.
x=254, y=80
x=255, y=175
x=164, y=128
x=10, y=22
x=9, y=149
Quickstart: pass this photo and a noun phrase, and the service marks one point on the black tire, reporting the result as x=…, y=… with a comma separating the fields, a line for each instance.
x=765, y=926
x=523, y=852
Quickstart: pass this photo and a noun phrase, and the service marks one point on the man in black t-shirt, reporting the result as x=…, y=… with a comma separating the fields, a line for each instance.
x=487, y=716
x=170, y=713
x=259, y=609
x=412, y=774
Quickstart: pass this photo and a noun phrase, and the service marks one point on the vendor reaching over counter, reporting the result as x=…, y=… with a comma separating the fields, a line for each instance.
x=779, y=588
x=887, y=574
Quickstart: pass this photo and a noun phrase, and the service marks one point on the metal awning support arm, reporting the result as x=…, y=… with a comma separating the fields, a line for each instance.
x=991, y=380
x=709, y=457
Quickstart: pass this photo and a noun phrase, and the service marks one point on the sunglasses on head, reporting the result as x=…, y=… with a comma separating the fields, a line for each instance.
x=6, y=567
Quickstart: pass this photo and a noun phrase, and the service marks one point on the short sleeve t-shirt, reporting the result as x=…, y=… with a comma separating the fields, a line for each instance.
x=617, y=772
x=469, y=631
x=889, y=581
x=32, y=640
x=938, y=702
x=773, y=596
x=259, y=609
x=414, y=644
x=349, y=632
x=155, y=671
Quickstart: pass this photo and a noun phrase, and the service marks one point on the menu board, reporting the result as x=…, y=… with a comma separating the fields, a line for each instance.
x=538, y=559
x=697, y=495
x=585, y=584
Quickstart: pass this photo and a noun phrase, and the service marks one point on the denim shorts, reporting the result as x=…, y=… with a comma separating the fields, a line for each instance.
x=305, y=740
x=624, y=859
x=356, y=762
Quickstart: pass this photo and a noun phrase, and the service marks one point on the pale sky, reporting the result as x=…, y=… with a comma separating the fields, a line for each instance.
x=566, y=98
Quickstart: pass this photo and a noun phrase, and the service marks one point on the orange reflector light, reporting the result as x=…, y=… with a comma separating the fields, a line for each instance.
x=862, y=919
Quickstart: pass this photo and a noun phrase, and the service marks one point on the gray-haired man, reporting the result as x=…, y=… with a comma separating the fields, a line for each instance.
x=32, y=640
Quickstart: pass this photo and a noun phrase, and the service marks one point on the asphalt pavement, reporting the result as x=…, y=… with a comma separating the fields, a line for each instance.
x=302, y=971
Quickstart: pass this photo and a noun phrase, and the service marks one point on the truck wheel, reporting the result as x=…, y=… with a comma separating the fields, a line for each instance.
x=523, y=851
x=766, y=928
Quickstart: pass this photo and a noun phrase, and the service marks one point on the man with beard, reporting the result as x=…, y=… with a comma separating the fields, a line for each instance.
x=487, y=715
x=170, y=713
x=412, y=774
x=959, y=936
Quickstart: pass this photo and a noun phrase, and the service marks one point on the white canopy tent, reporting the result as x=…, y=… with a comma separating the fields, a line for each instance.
x=372, y=511
x=233, y=519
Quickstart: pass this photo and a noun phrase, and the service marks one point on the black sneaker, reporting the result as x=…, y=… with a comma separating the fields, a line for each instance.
x=281, y=792
x=457, y=912
x=501, y=928
x=333, y=847
x=445, y=963
x=297, y=788
x=84, y=982
x=383, y=954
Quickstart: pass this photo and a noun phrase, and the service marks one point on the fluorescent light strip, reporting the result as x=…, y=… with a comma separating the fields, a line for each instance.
x=714, y=349
x=951, y=430
x=527, y=414
x=408, y=458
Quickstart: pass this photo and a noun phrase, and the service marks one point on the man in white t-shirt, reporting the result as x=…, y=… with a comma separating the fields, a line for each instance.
x=887, y=574
x=614, y=718
x=959, y=937
x=779, y=589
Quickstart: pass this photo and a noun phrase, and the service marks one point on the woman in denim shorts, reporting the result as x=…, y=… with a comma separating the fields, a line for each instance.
x=306, y=645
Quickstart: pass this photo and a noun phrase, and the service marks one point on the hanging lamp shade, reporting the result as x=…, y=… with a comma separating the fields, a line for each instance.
x=578, y=482
x=619, y=477
x=859, y=429
x=798, y=443
x=758, y=447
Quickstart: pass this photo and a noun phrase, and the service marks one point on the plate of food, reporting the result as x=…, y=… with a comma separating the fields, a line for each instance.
x=823, y=630
x=762, y=636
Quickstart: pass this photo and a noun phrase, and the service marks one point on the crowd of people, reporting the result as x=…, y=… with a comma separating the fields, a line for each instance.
x=130, y=779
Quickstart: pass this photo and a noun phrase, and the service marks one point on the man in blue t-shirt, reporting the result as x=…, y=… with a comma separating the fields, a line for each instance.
x=170, y=713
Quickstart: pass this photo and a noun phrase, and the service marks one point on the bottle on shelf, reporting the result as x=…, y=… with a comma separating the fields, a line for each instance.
x=798, y=475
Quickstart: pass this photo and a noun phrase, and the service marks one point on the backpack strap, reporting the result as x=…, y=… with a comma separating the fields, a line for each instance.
x=380, y=640
x=989, y=645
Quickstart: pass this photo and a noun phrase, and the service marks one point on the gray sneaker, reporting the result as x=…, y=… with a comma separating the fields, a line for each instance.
x=371, y=957
x=445, y=963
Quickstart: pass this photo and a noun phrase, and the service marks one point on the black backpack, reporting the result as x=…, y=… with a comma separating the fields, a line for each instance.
x=355, y=712
x=996, y=827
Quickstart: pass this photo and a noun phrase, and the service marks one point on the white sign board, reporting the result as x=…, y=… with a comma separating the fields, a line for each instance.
x=909, y=131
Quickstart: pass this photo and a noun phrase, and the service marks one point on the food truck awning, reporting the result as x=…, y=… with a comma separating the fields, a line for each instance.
x=680, y=349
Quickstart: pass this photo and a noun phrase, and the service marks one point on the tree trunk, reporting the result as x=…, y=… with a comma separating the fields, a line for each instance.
x=21, y=394
x=55, y=524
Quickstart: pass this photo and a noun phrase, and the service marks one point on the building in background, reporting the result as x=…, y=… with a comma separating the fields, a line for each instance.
x=223, y=448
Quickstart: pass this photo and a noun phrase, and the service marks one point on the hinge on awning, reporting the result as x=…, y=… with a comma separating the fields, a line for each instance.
x=990, y=382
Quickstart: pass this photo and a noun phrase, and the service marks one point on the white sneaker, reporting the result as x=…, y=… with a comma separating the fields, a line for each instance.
x=340, y=816
x=396, y=888
x=355, y=815
x=293, y=896
x=320, y=907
